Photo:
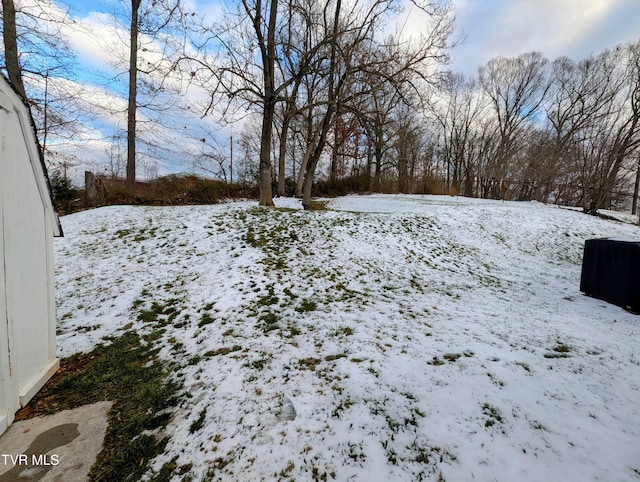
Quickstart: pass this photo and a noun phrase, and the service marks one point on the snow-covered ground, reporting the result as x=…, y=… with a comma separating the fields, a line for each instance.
x=389, y=338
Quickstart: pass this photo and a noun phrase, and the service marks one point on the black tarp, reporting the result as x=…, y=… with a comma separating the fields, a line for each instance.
x=611, y=271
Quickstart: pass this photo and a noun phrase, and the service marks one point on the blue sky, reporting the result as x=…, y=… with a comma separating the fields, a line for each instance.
x=574, y=28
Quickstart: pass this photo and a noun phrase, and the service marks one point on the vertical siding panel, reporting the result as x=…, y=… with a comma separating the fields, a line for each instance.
x=27, y=290
x=7, y=407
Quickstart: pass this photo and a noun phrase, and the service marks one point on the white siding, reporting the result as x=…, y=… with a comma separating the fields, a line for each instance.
x=27, y=310
x=6, y=389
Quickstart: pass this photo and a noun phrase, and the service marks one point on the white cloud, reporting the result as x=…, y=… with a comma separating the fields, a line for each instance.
x=554, y=27
x=98, y=40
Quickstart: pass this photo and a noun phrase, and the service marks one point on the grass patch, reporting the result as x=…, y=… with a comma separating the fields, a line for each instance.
x=269, y=299
x=525, y=366
x=223, y=351
x=430, y=455
x=167, y=311
x=128, y=373
x=452, y=357
x=561, y=348
x=269, y=322
x=335, y=357
x=306, y=305
x=343, y=330
x=86, y=329
x=309, y=363
x=205, y=319
x=559, y=351
x=199, y=422
x=436, y=362
x=493, y=415
x=148, y=316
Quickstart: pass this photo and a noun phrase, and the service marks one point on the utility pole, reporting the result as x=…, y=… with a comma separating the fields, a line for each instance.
x=231, y=161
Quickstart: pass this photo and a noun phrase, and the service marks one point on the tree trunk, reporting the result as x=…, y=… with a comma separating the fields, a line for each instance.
x=317, y=152
x=268, y=68
x=308, y=179
x=11, y=46
x=310, y=134
x=333, y=171
x=306, y=191
x=369, y=167
x=302, y=174
x=337, y=141
x=312, y=140
x=133, y=92
x=282, y=156
x=266, y=191
x=377, y=173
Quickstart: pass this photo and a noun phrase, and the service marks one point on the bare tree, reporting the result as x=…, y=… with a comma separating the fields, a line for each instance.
x=376, y=117
x=268, y=54
x=594, y=117
x=581, y=94
x=458, y=112
x=146, y=24
x=212, y=159
x=355, y=56
x=516, y=88
x=297, y=39
x=616, y=138
x=311, y=58
x=235, y=60
x=133, y=95
x=408, y=144
x=153, y=22
x=117, y=161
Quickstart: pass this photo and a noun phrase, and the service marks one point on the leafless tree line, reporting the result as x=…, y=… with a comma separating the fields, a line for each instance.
x=528, y=128
x=559, y=131
x=330, y=90
x=309, y=69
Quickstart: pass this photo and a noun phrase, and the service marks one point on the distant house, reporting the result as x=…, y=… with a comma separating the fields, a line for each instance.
x=28, y=224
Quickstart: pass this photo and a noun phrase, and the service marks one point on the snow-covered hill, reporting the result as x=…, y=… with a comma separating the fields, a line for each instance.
x=387, y=338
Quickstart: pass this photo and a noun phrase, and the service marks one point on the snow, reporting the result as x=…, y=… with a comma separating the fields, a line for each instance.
x=388, y=338
x=625, y=239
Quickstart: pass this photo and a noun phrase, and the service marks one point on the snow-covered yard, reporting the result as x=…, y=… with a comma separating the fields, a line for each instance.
x=388, y=338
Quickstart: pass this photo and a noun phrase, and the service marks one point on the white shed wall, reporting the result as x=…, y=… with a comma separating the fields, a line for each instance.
x=27, y=308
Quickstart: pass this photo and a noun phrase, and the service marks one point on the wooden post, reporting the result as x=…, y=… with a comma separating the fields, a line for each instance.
x=90, y=191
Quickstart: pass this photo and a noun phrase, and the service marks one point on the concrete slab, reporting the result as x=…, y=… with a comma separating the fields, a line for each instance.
x=56, y=448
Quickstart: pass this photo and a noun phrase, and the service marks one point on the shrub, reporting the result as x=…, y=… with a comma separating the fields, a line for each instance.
x=65, y=196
